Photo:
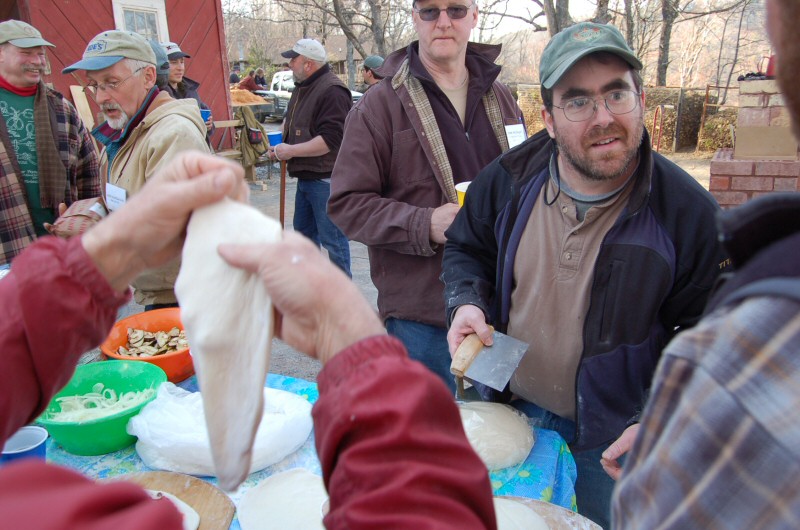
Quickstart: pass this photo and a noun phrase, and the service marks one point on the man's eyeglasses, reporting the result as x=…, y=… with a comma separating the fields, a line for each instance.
x=617, y=102
x=429, y=14
x=96, y=87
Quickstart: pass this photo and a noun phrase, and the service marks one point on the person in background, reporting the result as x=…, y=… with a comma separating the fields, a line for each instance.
x=234, y=77
x=719, y=446
x=588, y=246
x=312, y=134
x=407, y=143
x=249, y=82
x=80, y=284
x=371, y=64
x=47, y=158
x=162, y=65
x=259, y=77
x=180, y=86
x=144, y=129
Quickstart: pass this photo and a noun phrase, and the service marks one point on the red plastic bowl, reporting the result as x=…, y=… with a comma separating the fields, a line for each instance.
x=177, y=365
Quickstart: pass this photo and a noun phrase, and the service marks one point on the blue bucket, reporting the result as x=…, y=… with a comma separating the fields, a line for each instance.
x=275, y=138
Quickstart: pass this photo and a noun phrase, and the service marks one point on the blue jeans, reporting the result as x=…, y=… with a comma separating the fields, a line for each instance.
x=426, y=344
x=594, y=487
x=311, y=219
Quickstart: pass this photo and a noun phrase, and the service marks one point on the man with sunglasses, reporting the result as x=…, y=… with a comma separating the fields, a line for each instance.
x=437, y=119
x=47, y=160
x=144, y=129
x=588, y=246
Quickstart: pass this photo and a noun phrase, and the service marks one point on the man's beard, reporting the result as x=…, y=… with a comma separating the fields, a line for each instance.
x=591, y=169
x=116, y=123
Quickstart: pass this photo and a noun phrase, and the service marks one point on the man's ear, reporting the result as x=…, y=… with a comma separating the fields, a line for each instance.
x=547, y=118
x=149, y=76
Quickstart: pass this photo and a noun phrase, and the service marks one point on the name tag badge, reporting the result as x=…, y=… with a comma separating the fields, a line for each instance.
x=515, y=134
x=115, y=196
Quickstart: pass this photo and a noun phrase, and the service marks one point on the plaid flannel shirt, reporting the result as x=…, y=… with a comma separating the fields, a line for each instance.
x=83, y=173
x=719, y=445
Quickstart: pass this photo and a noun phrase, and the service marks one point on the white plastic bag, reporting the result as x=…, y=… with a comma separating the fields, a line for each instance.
x=173, y=436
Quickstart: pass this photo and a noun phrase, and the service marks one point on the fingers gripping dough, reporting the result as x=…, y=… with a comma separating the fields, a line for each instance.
x=228, y=320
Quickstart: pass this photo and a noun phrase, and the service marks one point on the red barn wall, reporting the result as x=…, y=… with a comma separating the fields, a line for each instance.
x=196, y=25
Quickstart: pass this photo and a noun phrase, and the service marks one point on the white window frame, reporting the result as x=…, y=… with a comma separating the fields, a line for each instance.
x=145, y=5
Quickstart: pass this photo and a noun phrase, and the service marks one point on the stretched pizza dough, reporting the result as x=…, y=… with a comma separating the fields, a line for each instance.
x=191, y=519
x=227, y=316
x=513, y=515
x=499, y=434
x=291, y=500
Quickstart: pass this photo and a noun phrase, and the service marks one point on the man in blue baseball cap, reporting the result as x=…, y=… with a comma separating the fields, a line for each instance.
x=144, y=129
x=588, y=246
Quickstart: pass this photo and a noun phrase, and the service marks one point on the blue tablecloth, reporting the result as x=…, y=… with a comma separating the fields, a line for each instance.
x=547, y=474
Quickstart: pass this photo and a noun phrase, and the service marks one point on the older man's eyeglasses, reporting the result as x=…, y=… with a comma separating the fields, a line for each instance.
x=93, y=88
x=617, y=102
x=429, y=14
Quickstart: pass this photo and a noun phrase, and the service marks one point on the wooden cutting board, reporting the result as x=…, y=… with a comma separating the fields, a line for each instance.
x=214, y=507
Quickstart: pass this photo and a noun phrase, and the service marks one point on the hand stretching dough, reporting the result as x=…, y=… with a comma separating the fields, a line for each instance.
x=228, y=320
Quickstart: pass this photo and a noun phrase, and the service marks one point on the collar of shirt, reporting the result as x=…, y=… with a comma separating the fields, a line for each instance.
x=20, y=91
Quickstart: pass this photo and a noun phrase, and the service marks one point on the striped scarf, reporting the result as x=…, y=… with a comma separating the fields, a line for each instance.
x=423, y=105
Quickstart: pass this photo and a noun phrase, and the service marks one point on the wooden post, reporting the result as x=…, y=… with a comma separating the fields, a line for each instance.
x=283, y=191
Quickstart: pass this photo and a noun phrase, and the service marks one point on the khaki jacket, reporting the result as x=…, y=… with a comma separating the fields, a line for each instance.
x=169, y=127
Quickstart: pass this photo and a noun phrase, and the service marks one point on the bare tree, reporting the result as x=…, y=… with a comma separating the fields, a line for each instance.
x=671, y=13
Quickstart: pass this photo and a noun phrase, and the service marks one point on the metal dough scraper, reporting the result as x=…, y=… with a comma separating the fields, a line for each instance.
x=490, y=365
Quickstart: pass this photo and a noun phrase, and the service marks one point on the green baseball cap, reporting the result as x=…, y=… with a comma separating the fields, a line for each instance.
x=373, y=62
x=571, y=45
x=21, y=35
x=110, y=47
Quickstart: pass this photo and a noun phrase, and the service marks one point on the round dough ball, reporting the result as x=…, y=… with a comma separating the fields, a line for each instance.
x=291, y=500
x=499, y=434
x=513, y=515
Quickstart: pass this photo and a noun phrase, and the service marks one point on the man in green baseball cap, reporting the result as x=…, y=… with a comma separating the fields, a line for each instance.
x=144, y=129
x=43, y=169
x=590, y=247
x=371, y=76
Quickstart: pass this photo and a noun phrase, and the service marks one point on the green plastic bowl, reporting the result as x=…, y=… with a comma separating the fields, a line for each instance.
x=109, y=434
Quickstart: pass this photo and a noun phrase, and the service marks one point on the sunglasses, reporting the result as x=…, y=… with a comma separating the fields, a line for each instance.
x=429, y=14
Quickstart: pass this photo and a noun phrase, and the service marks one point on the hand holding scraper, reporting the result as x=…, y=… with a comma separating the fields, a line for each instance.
x=489, y=365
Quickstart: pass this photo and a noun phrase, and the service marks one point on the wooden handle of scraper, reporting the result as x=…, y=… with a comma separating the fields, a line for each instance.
x=466, y=353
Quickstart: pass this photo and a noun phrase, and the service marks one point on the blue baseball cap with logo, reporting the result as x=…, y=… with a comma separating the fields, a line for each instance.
x=110, y=47
x=576, y=42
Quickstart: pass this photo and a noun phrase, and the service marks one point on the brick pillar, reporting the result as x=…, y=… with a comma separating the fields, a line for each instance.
x=734, y=182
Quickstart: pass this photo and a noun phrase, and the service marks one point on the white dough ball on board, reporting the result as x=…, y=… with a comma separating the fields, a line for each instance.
x=500, y=435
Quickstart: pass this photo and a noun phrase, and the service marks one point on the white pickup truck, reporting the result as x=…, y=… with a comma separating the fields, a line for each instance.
x=282, y=86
